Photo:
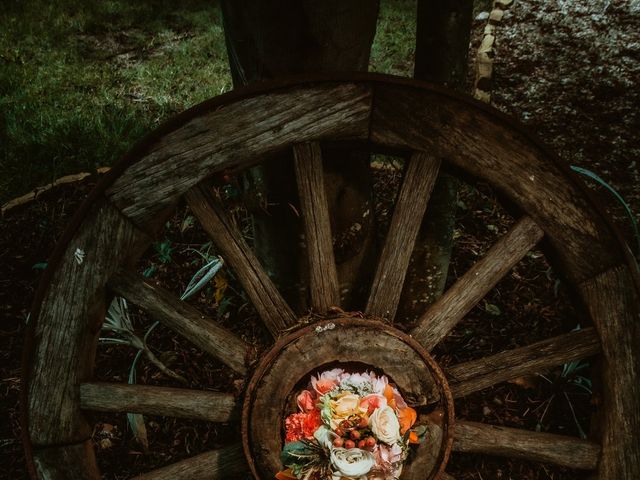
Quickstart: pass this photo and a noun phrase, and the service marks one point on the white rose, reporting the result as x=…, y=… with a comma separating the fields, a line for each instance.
x=351, y=463
x=384, y=425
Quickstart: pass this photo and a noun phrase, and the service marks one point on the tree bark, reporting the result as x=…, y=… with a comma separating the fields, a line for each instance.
x=267, y=39
x=442, y=47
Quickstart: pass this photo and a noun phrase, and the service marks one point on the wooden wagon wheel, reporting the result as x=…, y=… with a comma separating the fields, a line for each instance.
x=439, y=129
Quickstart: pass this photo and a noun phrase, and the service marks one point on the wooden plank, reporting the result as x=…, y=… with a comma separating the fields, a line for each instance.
x=68, y=324
x=494, y=148
x=323, y=276
x=224, y=463
x=265, y=297
x=614, y=304
x=67, y=462
x=534, y=446
x=152, y=400
x=386, y=289
x=469, y=289
x=237, y=135
x=183, y=319
x=469, y=377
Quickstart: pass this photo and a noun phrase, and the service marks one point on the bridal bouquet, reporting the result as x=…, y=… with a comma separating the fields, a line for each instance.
x=350, y=426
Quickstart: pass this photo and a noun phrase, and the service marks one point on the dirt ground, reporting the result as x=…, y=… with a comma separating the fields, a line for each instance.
x=569, y=70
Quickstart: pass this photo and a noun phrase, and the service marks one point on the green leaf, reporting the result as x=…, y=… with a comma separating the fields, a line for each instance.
x=492, y=309
x=149, y=271
x=295, y=453
x=618, y=197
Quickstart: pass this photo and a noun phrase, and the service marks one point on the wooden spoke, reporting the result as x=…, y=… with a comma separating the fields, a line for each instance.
x=151, y=400
x=469, y=377
x=222, y=464
x=183, y=319
x=445, y=313
x=271, y=307
x=66, y=462
x=323, y=281
x=512, y=442
x=412, y=202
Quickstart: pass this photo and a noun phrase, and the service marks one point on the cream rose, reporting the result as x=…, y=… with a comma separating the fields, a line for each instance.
x=343, y=407
x=346, y=405
x=351, y=463
x=384, y=425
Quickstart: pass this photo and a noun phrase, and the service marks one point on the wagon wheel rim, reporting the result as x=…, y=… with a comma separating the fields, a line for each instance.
x=351, y=101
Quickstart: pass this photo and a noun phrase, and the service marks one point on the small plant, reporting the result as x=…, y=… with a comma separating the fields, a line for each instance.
x=618, y=197
x=570, y=375
x=118, y=322
x=163, y=250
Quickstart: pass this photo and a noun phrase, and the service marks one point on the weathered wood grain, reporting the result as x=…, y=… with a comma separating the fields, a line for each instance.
x=68, y=325
x=183, y=319
x=225, y=463
x=152, y=400
x=323, y=276
x=491, y=147
x=238, y=134
x=420, y=176
x=539, y=447
x=614, y=305
x=68, y=462
x=469, y=289
x=265, y=297
x=475, y=375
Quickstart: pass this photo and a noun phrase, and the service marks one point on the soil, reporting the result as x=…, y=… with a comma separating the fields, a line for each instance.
x=589, y=115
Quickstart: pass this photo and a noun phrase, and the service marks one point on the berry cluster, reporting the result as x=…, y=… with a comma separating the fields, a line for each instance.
x=354, y=432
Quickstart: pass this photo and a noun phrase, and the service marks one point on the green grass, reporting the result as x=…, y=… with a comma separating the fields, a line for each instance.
x=80, y=84
x=393, y=48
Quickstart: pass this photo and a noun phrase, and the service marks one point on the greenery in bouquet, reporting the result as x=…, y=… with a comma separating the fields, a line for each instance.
x=349, y=426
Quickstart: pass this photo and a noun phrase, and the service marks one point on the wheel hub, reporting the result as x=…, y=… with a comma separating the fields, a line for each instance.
x=355, y=345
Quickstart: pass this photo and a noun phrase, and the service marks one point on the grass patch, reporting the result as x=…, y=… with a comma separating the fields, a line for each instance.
x=80, y=83
x=393, y=47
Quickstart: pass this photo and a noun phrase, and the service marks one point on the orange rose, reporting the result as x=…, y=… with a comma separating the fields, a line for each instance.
x=388, y=394
x=407, y=417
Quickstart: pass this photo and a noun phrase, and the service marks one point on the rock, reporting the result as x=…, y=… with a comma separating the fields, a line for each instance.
x=503, y=4
x=482, y=16
x=495, y=16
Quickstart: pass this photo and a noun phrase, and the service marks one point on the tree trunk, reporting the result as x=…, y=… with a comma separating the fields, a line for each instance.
x=267, y=39
x=442, y=47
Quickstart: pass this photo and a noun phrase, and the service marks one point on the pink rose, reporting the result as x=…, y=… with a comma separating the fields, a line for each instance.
x=326, y=381
x=373, y=401
x=306, y=402
x=386, y=456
